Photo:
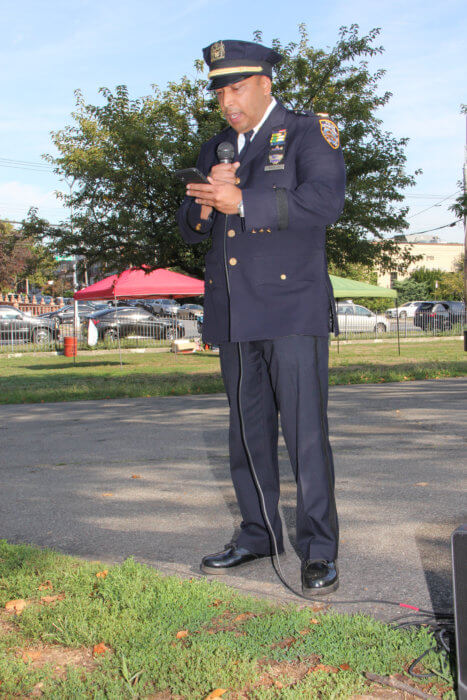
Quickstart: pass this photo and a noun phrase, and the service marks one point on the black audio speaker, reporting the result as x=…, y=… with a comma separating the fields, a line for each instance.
x=459, y=577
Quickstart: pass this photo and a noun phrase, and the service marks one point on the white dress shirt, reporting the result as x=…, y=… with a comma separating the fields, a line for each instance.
x=241, y=137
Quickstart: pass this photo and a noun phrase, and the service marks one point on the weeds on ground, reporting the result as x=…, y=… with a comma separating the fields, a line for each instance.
x=81, y=629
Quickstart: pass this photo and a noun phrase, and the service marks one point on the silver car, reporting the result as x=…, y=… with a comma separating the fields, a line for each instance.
x=163, y=307
x=354, y=318
x=406, y=310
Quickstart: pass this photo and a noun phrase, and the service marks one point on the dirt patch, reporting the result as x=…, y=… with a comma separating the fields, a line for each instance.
x=6, y=626
x=59, y=657
x=291, y=672
x=278, y=674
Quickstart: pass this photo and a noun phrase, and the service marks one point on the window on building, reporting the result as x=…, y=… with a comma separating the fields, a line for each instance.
x=393, y=279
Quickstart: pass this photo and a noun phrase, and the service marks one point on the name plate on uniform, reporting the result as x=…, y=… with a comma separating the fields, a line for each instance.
x=280, y=166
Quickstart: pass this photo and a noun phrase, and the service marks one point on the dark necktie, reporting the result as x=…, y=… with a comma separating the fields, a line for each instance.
x=248, y=136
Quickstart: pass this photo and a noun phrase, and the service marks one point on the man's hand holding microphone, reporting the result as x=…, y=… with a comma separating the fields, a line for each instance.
x=222, y=192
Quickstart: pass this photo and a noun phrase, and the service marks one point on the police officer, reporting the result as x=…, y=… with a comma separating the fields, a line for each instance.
x=269, y=303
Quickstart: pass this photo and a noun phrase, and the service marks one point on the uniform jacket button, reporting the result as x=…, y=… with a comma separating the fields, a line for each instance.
x=283, y=277
x=233, y=261
x=231, y=233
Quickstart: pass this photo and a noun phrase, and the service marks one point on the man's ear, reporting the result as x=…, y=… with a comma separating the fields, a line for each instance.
x=266, y=84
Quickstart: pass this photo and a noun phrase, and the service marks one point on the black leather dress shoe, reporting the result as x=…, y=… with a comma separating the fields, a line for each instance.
x=319, y=577
x=231, y=558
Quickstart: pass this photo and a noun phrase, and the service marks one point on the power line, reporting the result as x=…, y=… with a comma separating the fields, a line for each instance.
x=25, y=165
x=434, y=205
x=424, y=196
x=428, y=230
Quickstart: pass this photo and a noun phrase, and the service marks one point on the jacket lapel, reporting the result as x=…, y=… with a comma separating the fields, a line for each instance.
x=261, y=140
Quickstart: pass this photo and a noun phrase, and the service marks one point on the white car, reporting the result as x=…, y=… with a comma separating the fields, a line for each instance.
x=353, y=318
x=406, y=310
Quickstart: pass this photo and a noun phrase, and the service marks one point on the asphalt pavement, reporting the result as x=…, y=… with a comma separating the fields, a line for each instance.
x=149, y=478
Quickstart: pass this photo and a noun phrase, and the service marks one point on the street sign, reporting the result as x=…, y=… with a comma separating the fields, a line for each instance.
x=64, y=258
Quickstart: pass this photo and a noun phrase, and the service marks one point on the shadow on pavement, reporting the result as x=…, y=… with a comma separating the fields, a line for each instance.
x=149, y=478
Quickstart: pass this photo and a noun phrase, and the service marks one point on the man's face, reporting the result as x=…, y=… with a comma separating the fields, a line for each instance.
x=244, y=103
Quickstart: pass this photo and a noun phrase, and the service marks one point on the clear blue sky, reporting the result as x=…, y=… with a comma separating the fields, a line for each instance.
x=50, y=48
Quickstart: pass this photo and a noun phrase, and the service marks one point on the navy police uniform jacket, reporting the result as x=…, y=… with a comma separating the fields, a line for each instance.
x=271, y=280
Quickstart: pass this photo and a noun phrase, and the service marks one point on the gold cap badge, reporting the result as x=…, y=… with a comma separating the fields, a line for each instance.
x=217, y=51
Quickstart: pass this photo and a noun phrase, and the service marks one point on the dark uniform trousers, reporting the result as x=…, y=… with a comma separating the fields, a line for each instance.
x=288, y=375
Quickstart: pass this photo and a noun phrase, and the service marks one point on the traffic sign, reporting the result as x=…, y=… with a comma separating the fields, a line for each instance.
x=64, y=258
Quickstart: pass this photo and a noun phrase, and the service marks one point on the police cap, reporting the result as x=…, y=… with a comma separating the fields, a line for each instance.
x=230, y=61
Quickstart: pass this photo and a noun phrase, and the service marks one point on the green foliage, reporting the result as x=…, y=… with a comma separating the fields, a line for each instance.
x=451, y=286
x=429, y=277
x=339, y=82
x=460, y=204
x=119, y=158
x=432, y=284
x=411, y=290
x=23, y=257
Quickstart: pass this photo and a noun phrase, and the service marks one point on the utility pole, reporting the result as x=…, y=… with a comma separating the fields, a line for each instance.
x=465, y=233
x=75, y=263
x=465, y=215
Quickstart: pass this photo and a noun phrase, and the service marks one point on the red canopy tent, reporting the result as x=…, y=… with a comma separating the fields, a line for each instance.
x=138, y=284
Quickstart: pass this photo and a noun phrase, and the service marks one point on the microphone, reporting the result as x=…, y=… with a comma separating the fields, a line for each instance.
x=225, y=153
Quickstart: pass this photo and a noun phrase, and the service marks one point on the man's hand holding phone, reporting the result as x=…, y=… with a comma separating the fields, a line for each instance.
x=221, y=193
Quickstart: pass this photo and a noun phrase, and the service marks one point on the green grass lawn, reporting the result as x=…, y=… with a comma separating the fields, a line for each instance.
x=165, y=638
x=33, y=378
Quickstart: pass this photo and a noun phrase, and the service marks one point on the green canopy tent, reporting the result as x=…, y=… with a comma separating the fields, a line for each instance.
x=344, y=288
x=348, y=289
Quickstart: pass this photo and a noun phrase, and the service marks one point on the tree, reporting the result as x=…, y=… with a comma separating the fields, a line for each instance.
x=121, y=155
x=427, y=276
x=14, y=255
x=432, y=284
x=412, y=290
x=23, y=257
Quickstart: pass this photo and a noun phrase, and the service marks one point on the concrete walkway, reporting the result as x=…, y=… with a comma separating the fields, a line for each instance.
x=400, y=450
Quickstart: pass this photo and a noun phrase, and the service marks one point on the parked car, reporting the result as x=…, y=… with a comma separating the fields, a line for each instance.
x=20, y=327
x=66, y=313
x=437, y=316
x=457, y=311
x=125, y=321
x=190, y=311
x=163, y=307
x=124, y=302
x=406, y=310
x=354, y=318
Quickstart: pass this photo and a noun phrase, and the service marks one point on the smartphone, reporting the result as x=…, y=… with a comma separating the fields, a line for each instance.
x=191, y=175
